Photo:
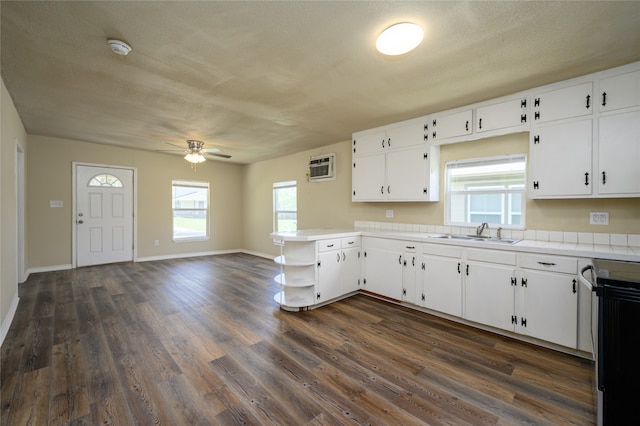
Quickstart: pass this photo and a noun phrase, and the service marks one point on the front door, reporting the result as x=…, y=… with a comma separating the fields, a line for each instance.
x=104, y=215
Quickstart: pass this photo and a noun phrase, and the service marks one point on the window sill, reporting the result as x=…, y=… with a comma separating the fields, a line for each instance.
x=190, y=239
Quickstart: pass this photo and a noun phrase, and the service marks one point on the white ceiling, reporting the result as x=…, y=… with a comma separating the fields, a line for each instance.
x=264, y=79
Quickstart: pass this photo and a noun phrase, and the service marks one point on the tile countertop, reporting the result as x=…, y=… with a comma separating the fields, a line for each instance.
x=612, y=252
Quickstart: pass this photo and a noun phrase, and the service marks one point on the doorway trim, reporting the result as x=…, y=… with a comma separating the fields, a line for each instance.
x=20, y=213
x=74, y=197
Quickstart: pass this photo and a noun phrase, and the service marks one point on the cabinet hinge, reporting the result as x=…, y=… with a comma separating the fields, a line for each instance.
x=358, y=281
x=434, y=123
x=364, y=281
x=424, y=191
x=425, y=156
x=358, y=255
x=426, y=126
x=404, y=292
x=514, y=319
x=523, y=282
x=354, y=165
x=354, y=193
x=536, y=115
x=536, y=184
x=318, y=296
x=523, y=118
x=536, y=102
x=365, y=254
x=523, y=103
x=423, y=298
x=426, y=136
x=523, y=322
x=536, y=139
x=318, y=263
x=423, y=270
x=434, y=135
x=513, y=281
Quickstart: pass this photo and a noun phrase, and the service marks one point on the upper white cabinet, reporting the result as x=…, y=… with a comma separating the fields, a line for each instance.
x=619, y=154
x=395, y=165
x=511, y=114
x=560, y=160
x=564, y=102
x=618, y=92
x=450, y=125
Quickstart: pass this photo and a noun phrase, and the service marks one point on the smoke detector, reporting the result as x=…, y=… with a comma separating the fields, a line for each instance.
x=119, y=47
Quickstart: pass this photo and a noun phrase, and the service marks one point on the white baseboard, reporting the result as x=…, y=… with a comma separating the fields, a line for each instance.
x=50, y=268
x=184, y=255
x=6, y=321
x=258, y=254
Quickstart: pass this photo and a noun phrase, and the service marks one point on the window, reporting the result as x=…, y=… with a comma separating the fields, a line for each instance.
x=190, y=210
x=486, y=190
x=105, y=180
x=285, y=206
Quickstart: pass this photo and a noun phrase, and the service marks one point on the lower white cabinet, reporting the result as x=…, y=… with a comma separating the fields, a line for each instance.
x=383, y=266
x=338, y=268
x=410, y=267
x=442, y=279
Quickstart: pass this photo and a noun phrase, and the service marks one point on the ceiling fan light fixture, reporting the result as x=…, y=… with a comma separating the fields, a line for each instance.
x=399, y=39
x=194, y=158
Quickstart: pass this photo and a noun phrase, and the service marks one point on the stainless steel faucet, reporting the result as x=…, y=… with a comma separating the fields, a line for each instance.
x=480, y=229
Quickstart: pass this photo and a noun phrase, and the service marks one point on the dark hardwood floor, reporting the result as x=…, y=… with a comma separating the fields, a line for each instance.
x=200, y=341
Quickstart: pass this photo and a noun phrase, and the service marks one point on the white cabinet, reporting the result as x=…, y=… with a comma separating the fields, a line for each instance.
x=338, y=267
x=410, y=262
x=442, y=278
x=297, y=277
x=395, y=163
x=489, y=288
x=620, y=91
x=451, y=125
x=548, y=298
x=383, y=267
x=561, y=160
x=511, y=114
x=619, y=154
x=562, y=103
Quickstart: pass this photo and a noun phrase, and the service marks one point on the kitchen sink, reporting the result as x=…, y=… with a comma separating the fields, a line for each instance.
x=475, y=238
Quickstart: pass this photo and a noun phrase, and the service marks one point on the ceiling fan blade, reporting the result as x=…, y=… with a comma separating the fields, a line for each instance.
x=211, y=150
x=177, y=146
x=219, y=155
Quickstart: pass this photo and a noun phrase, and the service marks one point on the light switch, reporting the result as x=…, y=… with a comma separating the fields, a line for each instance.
x=55, y=203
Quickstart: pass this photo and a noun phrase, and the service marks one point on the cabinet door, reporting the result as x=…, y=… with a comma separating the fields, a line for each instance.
x=442, y=283
x=621, y=91
x=368, y=178
x=567, y=102
x=329, y=278
x=619, y=154
x=350, y=270
x=406, y=135
x=550, y=308
x=502, y=115
x=489, y=294
x=383, y=272
x=409, y=291
x=452, y=125
x=561, y=160
x=369, y=143
x=407, y=175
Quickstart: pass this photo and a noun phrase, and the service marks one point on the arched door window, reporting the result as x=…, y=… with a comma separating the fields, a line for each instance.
x=105, y=180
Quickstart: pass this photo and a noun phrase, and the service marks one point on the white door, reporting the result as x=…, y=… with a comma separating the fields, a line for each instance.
x=104, y=215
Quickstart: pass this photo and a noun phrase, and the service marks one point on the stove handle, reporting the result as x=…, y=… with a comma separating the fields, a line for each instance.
x=584, y=281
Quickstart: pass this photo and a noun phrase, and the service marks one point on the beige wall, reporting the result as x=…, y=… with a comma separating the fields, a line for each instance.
x=328, y=204
x=12, y=133
x=49, y=171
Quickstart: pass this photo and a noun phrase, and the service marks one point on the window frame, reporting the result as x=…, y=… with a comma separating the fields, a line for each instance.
x=276, y=212
x=190, y=184
x=506, y=189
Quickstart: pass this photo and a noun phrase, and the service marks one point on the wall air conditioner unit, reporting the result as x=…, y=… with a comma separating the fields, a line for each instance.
x=322, y=167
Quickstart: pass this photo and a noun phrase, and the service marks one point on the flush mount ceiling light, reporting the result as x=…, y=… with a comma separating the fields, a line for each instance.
x=119, y=47
x=399, y=38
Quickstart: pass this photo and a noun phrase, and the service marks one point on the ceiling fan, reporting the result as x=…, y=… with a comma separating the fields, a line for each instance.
x=196, y=152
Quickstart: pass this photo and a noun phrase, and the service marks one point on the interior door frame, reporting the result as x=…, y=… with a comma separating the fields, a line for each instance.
x=74, y=212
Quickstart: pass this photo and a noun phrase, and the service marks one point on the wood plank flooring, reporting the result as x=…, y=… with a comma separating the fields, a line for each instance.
x=200, y=341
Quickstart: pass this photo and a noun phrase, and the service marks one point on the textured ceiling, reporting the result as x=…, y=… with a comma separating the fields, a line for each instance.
x=264, y=79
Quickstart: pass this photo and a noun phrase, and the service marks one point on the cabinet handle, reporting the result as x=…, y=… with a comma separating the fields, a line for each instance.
x=480, y=123
x=382, y=189
x=389, y=189
x=400, y=259
x=588, y=101
x=350, y=242
x=466, y=126
x=604, y=98
x=574, y=286
x=547, y=263
x=604, y=178
x=338, y=257
x=467, y=269
x=344, y=257
x=330, y=245
x=410, y=247
x=586, y=179
x=389, y=142
x=458, y=267
x=383, y=143
x=413, y=261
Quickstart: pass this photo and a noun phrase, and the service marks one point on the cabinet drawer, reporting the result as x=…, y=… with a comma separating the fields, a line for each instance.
x=442, y=250
x=492, y=256
x=326, y=245
x=349, y=242
x=566, y=265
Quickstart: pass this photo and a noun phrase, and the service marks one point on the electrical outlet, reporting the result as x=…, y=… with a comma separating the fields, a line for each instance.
x=55, y=203
x=389, y=213
x=599, y=218
x=156, y=243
